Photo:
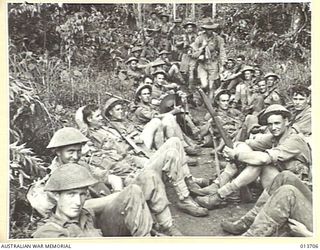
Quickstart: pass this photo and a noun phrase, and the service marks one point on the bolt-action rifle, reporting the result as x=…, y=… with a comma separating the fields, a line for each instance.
x=118, y=97
x=129, y=140
x=245, y=194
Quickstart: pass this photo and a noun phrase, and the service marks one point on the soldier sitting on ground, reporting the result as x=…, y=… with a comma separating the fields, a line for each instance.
x=247, y=93
x=272, y=96
x=286, y=202
x=150, y=183
x=172, y=70
x=226, y=114
x=76, y=216
x=170, y=158
x=301, y=118
x=134, y=74
x=235, y=78
x=265, y=156
x=145, y=112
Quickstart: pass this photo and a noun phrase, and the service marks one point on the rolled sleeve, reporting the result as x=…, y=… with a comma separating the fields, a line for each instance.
x=289, y=149
x=145, y=115
x=261, y=143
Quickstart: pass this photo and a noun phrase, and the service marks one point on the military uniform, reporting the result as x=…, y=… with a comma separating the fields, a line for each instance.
x=290, y=152
x=272, y=97
x=165, y=35
x=188, y=63
x=169, y=158
x=57, y=227
x=250, y=100
x=135, y=219
x=134, y=75
x=212, y=48
x=289, y=198
x=301, y=121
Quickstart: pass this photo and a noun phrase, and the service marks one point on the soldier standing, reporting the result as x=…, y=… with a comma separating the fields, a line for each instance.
x=188, y=63
x=210, y=53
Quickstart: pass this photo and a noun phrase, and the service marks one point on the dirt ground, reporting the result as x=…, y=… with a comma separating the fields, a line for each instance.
x=210, y=225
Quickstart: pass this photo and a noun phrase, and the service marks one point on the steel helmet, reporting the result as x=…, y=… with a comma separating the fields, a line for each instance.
x=69, y=176
x=109, y=105
x=274, y=109
x=67, y=136
x=271, y=74
x=140, y=88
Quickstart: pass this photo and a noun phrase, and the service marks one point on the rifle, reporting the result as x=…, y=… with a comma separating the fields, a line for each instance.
x=227, y=140
x=245, y=194
x=128, y=139
x=118, y=97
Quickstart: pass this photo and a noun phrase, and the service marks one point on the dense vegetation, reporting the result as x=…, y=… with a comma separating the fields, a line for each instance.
x=62, y=56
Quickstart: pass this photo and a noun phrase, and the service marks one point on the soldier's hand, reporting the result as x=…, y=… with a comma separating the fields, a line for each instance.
x=201, y=57
x=228, y=153
x=298, y=229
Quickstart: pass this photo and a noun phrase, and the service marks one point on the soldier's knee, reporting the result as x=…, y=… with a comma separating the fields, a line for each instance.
x=168, y=119
x=156, y=122
x=135, y=191
x=242, y=147
x=286, y=176
x=287, y=191
x=173, y=143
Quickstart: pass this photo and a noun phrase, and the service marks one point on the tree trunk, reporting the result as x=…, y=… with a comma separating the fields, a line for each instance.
x=193, y=12
x=214, y=10
x=296, y=19
x=140, y=15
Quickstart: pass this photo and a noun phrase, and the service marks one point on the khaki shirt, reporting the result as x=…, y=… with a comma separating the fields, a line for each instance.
x=302, y=121
x=115, y=149
x=226, y=116
x=290, y=152
x=213, y=51
x=272, y=97
x=144, y=113
x=57, y=227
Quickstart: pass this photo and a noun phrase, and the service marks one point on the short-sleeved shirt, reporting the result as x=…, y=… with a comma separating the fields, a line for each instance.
x=214, y=51
x=230, y=115
x=115, y=149
x=144, y=113
x=57, y=227
x=290, y=152
x=272, y=97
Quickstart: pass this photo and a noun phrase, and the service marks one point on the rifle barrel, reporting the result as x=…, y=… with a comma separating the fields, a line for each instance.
x=118, y=97
x=227, y=140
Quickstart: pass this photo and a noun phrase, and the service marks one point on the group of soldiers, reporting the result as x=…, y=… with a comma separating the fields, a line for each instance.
x=110, y=174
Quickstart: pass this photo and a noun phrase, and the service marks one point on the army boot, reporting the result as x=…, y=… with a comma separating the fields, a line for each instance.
x=202, y=182
x=210, y=201
x=237, y=227
x=192, y=151
x=193, y=187
x=172, y=231
x=217, y=199
x=211, y=189
x=186, y=203
x=165, y=221
x=262, y=226
x=242, y=225
x=189, y=206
